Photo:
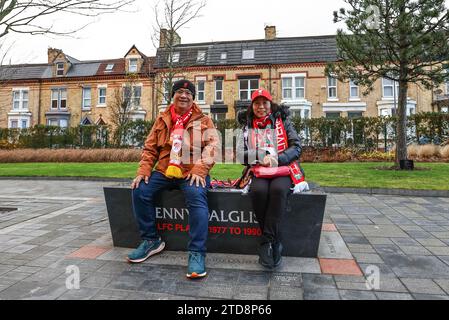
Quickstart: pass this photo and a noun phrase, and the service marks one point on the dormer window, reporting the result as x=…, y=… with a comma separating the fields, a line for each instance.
x=248, y=54
x=175, y=57
x=132, y=65
x=223, y=56
x=109, y=67
x=60, y=69
x=201, y=56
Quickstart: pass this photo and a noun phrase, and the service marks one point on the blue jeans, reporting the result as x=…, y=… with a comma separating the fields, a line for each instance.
x=196, y=201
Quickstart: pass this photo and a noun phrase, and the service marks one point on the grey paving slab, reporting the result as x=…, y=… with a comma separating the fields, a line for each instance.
x=426, y=286
x=393, y=296
x=440, y=251
x=79, y=294
x=443, y=283
x=286, y=280
x=285, y=293
x=317, y=281
x=417, y=266
x=333, y=246
x=420, y=296
x=32, y=291
x=357, y=295
x=108, y=294
x=389, y=231
x=362, y=257
x=321, y=294
x=246, y=292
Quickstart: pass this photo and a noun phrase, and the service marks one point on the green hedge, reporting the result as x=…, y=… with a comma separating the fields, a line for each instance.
x=368, y=133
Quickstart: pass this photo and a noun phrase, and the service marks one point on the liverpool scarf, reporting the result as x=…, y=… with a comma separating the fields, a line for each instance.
x=261, y=138
x=174, y=169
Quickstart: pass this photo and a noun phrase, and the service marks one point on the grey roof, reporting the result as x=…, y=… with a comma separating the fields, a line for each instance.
x=76, y=70
x=16, y=72
x=72, y=59
x=277, y=51
x=44, y=71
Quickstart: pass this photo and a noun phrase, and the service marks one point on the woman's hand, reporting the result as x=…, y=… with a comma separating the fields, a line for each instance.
x=270, y=161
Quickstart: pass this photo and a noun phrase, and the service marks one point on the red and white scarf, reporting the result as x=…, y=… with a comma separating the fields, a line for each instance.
x=263, y=140
x=174, y=169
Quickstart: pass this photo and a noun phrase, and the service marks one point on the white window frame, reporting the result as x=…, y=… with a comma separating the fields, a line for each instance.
x=16, y=121
x=218, y=91
x=392, y=88
x=249, y=91
x=58, y=69
x=49, y=122
x=99, y=88
x=66, y=123
x=201, y=92
x=84, y=107
x=352, y=85
x=109, y=67
x=131, y=66
x=21, y=101
x=223, y=56
x=294, y=88
x=217, y=116
x=201, y=57
x=294, y=110
x=329, y=87
x=134, y=100
x=175, y=57
x=248, y=54
x=61, y=92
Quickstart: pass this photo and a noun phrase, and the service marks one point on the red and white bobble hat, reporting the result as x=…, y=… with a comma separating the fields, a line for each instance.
x=261, y=93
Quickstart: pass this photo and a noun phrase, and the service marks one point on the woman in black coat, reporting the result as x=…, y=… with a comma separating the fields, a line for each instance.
x=268, y=141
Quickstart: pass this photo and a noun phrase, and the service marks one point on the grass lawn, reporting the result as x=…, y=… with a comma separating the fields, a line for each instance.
x=348, y=174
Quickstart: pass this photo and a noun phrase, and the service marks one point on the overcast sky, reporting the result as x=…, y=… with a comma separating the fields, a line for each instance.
x=110, y=36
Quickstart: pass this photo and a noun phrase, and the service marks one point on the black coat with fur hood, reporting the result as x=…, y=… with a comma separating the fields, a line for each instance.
x=292, y=153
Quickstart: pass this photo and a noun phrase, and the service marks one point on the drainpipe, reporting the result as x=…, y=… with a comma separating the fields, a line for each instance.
x=39, y=103
x=269, y=78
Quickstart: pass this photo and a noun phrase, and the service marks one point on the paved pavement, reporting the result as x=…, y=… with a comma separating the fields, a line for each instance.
x=398, y=245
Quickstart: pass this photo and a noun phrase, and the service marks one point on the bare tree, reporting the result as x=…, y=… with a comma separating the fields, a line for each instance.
x=122, y=107
x=170, y=17
x=32, y=16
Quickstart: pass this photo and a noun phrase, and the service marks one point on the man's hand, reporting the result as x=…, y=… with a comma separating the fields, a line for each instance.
x=136, y=181
x=197, y=180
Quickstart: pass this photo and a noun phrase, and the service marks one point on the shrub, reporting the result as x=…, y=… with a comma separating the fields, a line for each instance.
x=428, y=151
x=412, y=150
x=70, y=155
x=444, y=152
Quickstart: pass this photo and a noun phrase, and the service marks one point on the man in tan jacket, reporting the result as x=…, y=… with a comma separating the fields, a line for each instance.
x=182, y=145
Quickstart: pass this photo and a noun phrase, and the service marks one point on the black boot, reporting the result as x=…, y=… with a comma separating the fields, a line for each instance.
x=277, y=251
x=266, y=254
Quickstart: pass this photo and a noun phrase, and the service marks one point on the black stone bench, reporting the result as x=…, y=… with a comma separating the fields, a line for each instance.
x=232, y=224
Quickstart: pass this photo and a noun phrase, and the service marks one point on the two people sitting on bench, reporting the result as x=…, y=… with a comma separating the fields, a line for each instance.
x=269, y=144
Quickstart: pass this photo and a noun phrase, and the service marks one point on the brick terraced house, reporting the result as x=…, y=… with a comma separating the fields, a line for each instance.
x=69, y=92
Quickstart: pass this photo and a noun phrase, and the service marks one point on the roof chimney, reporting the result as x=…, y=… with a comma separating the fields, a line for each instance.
x=52, y=54
x=270, y=32
x=164, y=38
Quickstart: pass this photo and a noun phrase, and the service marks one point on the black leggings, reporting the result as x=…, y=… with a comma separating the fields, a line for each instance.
x=269, y=198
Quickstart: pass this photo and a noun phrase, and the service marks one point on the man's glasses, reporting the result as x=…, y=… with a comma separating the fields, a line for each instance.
x=184, y=91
